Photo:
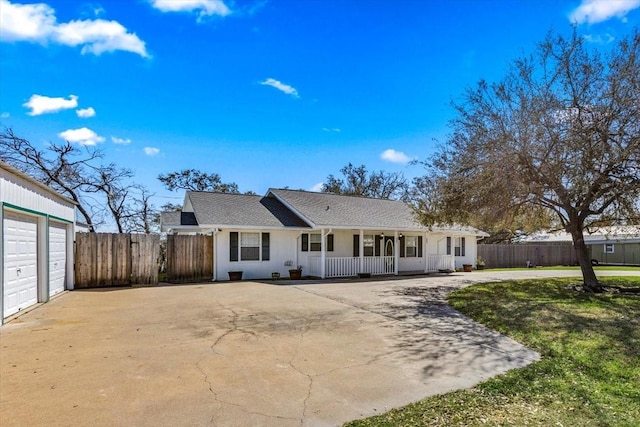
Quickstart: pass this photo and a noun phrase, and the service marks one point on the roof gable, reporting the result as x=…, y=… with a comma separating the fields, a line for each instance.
x=340, y=211
x=241, y=210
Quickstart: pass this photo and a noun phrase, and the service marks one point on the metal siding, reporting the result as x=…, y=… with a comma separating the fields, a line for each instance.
x=17, y=191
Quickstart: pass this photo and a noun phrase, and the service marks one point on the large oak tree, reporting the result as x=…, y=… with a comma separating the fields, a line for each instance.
x=358, y=181
x=560, y=133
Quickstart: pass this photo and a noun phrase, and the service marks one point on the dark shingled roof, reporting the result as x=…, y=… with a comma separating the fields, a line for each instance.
x=171, y=218
x=334, y=210
x=241, y=210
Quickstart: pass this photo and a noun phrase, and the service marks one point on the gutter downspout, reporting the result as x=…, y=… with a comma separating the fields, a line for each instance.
x=323, y=252
x=297, y=246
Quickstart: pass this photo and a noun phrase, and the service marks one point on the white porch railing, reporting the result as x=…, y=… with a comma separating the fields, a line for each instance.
x=439, y=262
x=350, y=266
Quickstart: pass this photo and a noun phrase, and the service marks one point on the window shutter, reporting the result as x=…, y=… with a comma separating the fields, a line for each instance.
x=356, y=245
x=330, y=243
x=448, y=245
x=419, y=246
x=305, y=242
x=265, y=247
x=377, y=246
x=402, y=247
x=233, y=246
x=462, y=246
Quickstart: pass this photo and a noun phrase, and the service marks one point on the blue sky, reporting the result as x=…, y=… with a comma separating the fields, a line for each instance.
x=266, y=93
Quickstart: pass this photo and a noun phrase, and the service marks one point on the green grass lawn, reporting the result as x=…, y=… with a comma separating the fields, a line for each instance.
x=589, y=374
x=571, y=267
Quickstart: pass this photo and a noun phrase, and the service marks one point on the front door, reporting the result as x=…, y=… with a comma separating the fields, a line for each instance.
x=389, y=255
x=388, y=246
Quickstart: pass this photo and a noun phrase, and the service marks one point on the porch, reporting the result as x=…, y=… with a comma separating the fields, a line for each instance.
x=374, y=265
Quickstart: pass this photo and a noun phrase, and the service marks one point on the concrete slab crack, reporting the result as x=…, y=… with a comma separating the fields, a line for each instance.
x=235, y=405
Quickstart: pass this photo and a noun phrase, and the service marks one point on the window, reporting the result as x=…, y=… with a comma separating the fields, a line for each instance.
x=459, y=246
x=609, y=248
x=368, y=242
x=411, y=246
x=448, y=245
x=249, y=246
x=313, y=242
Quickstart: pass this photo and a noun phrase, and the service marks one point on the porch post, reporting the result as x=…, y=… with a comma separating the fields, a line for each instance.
x=453, y=253
x=396, y=254
x=214, y=266
x=424, y=252
x=361, y=252
x=323, y=254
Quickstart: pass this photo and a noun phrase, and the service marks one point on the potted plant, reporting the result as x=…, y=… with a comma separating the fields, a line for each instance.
x=235, y=275
x=296, y=273
x=467, y=268
x=480, y=263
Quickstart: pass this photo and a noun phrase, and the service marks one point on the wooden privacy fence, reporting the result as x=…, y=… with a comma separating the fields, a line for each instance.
x=517, y=255
x=107, y=259
x=189, y=258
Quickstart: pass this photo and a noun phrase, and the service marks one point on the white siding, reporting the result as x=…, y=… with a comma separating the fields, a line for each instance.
x=282, y=248
x=286, y=246
x=20, y=192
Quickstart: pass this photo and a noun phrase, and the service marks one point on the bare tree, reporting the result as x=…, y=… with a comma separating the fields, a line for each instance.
x=61, y=167
x=358, y=181
x=560, y=133
x=78, y=174
x=144, y=217
x=195, y=180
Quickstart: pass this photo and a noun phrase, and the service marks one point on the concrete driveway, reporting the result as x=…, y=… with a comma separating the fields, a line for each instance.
x=246, y=354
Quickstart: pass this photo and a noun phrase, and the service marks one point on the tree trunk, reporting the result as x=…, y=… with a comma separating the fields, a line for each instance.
x=591, y=282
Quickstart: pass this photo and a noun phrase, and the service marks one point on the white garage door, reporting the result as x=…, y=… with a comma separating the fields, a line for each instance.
x=20, y=262
x=57, y=257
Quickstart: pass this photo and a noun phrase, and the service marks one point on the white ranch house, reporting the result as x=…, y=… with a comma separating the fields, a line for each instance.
x=328, y=235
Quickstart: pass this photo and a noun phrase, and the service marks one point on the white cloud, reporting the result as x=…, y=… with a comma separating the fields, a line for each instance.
x=5, y=115
x=121, y=141
x=594, y=11
x=289, y=90
x=203, y=7
x=336, y=130
x=85, y=113
x=151, y=151
x=317, y=188
x=599, y=38
x=26, y=22
x=394, y=156
x=37, y=23
x=43, y=104
x=99, y=36
x=82, y=136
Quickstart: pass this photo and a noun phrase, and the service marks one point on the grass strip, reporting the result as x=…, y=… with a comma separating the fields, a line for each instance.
x=589, y=374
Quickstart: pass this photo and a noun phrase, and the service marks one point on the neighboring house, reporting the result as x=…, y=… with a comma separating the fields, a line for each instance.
x=37, y=241
x=328, y=235
x=606, y=245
